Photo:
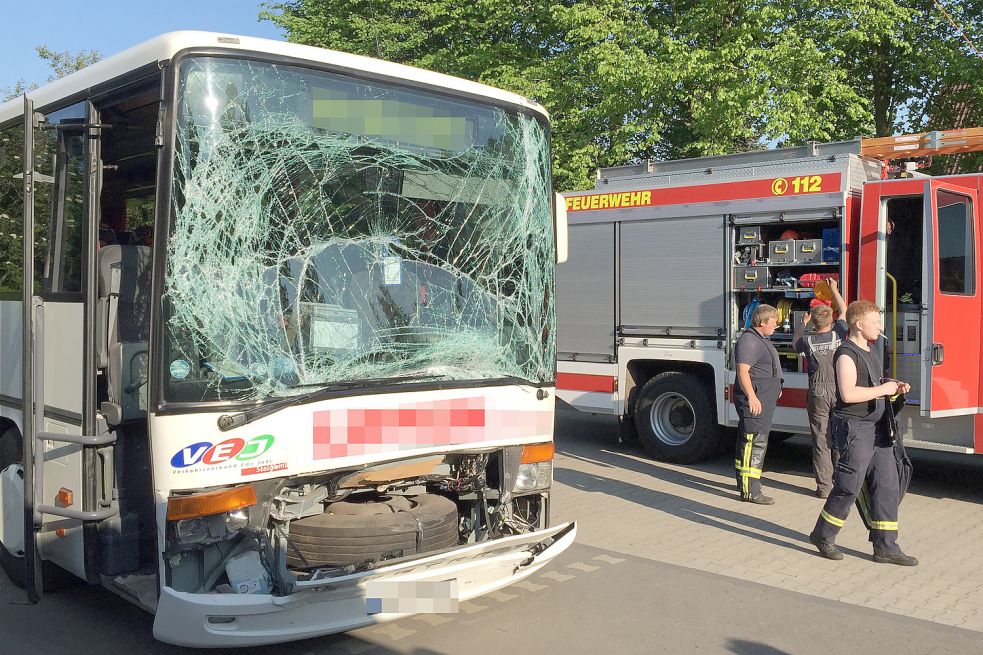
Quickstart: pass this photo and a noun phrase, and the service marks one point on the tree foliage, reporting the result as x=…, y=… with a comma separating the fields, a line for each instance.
x=11, y=174
x=629, y=79
x=61, y=64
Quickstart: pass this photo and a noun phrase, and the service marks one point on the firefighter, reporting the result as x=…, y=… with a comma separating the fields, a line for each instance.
x=759, y=384
x=869, y=471
x=819, y=349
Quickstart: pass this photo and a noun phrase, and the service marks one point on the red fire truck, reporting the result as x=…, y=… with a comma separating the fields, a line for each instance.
x=668, y=259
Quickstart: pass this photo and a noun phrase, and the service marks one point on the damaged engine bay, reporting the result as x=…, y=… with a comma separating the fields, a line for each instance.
x=322, y=527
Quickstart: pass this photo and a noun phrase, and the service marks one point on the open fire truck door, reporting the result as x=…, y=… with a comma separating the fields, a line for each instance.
x=918, y=251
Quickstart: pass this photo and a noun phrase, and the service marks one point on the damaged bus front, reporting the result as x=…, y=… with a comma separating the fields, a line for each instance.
x=355, y=354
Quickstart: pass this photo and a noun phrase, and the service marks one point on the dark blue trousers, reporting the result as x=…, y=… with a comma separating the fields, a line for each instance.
x=752, y=438
x=866, y=474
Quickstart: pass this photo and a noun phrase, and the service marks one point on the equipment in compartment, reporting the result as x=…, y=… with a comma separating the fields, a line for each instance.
x=791, y=362
x=747, y=255
x=781, y=252
x=810, y=280
x=831, y=245
x=784, y=278
x=751, y=277
x=784, y=308
x=905, y=362
x=797, y=259
x=748, y=311
x=749, y=235
x=808, y=251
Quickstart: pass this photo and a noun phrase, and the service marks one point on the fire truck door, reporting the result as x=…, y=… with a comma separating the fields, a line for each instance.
x=950, y=348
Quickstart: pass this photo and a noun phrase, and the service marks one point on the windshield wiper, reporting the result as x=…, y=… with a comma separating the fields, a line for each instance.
x=227, y=422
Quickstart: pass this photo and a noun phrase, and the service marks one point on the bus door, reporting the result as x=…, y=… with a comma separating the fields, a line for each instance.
x=63, y=492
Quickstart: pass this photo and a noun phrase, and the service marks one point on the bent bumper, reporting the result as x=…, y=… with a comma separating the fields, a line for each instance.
x=338, y=604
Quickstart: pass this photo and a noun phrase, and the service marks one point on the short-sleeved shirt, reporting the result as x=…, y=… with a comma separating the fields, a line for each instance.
x=759, y=353
x=819, y=348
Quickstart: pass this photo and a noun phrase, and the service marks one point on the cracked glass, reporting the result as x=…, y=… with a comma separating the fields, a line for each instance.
x=328, y=230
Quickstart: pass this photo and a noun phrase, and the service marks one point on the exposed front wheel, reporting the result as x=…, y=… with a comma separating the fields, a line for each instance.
x=676, y=418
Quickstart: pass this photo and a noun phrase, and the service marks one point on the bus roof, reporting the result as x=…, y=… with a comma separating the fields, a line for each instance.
x=165, y=46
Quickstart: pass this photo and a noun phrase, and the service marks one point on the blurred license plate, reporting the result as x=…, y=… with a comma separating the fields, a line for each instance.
x=410, y=596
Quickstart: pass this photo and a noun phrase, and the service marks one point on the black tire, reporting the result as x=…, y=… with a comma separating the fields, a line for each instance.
x=350, y=533
x=627, y=432
x=52, y=576
x=676, y=419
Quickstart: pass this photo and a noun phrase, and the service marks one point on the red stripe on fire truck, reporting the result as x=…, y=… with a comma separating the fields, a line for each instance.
x=766, y=188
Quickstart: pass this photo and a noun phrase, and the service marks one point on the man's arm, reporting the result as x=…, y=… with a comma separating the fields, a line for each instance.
x=846, y=383
x=838, y=299
x=744, y=379
x=800, y=330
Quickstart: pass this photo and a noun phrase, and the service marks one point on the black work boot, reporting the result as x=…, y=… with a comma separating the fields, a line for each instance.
x=826, y=548
x=899, y=558
x=760, y=499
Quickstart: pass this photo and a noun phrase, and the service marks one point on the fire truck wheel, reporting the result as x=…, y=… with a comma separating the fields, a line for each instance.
x=676, y=420
x=14, y=564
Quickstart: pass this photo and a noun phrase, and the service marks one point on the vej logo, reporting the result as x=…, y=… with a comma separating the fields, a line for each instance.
x=211, y=454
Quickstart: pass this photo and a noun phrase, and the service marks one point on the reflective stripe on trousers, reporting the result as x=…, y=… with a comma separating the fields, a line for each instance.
x=752, y=444
x=866, y=474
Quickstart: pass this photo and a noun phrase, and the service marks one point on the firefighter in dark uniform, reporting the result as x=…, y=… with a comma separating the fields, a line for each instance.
x=759, y=384
x=869, y=471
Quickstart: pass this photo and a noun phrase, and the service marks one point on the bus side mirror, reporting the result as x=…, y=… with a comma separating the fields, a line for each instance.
x=560, y=227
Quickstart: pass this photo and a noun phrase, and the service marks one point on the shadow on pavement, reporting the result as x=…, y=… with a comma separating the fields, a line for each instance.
x=742, y=647
x=937, y=474
x=735, y=521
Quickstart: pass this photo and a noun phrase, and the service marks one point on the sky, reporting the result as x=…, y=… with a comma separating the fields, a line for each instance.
x=111, y=26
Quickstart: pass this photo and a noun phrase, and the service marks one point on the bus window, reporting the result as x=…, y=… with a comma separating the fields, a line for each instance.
x=11, y=211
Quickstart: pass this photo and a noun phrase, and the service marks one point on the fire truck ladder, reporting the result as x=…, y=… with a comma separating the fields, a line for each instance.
x=924, y=144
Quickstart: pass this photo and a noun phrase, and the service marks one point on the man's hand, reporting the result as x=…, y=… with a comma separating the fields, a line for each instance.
x=833, y=284
x=890, y=388
x=806, y=318
x=755, y=405
x=903, y=387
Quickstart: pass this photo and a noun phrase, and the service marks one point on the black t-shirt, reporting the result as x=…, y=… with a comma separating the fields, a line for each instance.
x=759, y=353
x=872, y=410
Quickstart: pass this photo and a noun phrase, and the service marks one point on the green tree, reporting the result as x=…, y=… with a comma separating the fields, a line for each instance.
x=61, y=64
x=66, y=62
x=11, y=171
x=626, y=80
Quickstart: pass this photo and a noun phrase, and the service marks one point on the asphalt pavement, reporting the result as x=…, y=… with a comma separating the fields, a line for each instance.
x=666, y=562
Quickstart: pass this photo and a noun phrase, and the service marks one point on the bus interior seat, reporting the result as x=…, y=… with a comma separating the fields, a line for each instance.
x=124, y=325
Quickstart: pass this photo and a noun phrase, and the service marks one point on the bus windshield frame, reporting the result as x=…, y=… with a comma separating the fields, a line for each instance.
x=325, y=228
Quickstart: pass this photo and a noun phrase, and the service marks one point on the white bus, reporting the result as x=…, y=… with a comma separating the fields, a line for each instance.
x=292, y=337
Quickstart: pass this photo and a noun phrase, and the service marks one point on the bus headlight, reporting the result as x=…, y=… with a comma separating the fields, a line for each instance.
x=535, y=468
x=534, y=477
x=209, y=529
x=210, y=517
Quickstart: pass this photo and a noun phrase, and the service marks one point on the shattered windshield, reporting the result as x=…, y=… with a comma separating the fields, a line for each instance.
x=327, y=229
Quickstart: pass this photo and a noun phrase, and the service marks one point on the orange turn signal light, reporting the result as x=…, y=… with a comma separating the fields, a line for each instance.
x=206, y=504
x=540, y=452
x=65, y=497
